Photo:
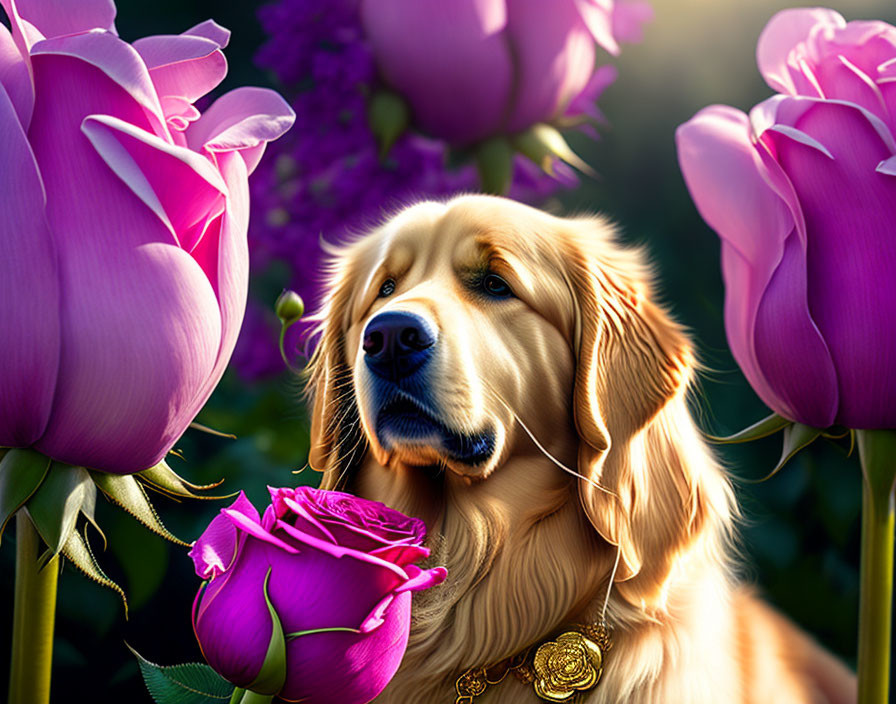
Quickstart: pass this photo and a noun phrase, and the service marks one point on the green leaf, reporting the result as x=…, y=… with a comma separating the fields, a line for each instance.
x=54, y=507
x=78, y=551
x=165, y=479
x=543, y=143
x=192, y=683
x=272, y=676
x=762, y=429
x=21, y=473
x=494, y=161
x=126, y=491
x=796, y=437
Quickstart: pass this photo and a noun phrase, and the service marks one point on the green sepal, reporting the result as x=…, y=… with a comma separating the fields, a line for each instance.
x=191, y=683
x=125, y=490
x=211, y=431
x=388, y=116
x=272, y=676
x=568, y=122
x=88, y=510
x=21, y=473
x=543, y=143
x=337, y=629
x=494, y=161
x=246, y=696
x=796, y=437
x=77, y=551
x=55, y=506
x=166, y=480
x=836, y=432
x=762, y=429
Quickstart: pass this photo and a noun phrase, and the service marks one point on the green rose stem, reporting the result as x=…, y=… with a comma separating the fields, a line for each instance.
x=33, y=621
x=877, y=451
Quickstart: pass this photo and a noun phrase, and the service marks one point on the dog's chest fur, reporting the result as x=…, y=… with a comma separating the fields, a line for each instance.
x=514, y=578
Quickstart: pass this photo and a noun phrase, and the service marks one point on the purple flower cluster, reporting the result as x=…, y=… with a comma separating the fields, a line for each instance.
x=325, y=177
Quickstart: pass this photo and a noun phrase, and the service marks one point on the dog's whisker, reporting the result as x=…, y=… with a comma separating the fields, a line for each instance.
x=339, y=448
x=358, y=441
x=544, y=450
x=339, y=400
x=340, y=405
x=603, y=611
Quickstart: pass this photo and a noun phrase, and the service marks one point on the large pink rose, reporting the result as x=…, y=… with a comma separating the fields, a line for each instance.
x=802, y=193
x=331, y=561
x=471, y=69
x=123, y=258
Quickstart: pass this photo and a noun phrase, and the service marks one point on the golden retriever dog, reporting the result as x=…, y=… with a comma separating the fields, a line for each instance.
x=507, y=376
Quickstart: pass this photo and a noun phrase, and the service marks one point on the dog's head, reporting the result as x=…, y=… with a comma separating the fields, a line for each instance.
x=459, y=334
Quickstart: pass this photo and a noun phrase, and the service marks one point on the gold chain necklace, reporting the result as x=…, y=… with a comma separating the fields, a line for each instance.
x=557, y=670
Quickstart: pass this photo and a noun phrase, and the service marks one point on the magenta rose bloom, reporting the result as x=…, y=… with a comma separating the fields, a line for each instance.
x=802, y=194
x=123, y=256
x=471, y=69
x=332, y=561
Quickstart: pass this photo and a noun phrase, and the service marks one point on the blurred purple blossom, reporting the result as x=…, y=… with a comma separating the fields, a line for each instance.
x=325, y=179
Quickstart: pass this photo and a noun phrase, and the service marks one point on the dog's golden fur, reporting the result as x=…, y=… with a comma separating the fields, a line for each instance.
x=580, y=369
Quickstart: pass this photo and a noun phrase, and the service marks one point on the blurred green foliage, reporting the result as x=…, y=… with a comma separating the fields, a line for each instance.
x=800, y=533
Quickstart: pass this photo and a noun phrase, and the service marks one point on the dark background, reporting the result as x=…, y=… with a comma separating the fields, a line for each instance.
x=800, y=535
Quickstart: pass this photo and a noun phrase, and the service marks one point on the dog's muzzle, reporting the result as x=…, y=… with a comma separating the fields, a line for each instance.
x=397, y=344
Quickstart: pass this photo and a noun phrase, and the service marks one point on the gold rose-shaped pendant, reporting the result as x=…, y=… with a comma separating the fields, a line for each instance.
x=570, y=664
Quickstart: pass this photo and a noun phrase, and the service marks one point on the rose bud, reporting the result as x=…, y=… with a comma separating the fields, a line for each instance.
x=336, y=572
x=504, y=66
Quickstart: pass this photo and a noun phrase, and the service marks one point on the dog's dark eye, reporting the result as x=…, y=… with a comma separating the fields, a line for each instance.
x=495, y=286
x=388, y=288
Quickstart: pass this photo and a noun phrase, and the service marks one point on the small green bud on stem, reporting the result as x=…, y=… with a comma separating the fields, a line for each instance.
x=289, y=307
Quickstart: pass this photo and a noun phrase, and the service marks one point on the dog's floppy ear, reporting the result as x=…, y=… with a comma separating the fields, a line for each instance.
x=632, y=359
x=337, y=442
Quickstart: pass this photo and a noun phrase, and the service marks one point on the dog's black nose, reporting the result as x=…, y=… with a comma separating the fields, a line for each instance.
x=396, y=344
